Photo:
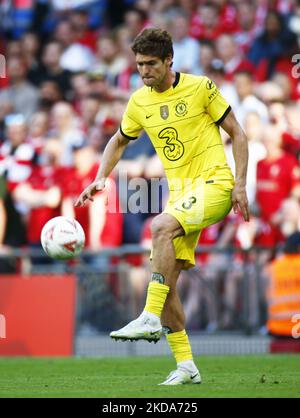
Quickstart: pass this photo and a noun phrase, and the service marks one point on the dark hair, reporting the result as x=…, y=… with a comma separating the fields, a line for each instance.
x=156, y=42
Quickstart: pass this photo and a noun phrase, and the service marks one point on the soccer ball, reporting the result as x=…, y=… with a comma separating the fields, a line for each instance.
x=62, y=238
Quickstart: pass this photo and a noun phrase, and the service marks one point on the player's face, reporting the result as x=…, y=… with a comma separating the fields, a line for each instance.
x=152, y=69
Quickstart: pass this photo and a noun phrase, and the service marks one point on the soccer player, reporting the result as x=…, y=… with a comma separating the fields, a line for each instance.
x=181, y=113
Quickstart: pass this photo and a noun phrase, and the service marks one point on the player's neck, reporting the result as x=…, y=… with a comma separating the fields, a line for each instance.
x=167, y=82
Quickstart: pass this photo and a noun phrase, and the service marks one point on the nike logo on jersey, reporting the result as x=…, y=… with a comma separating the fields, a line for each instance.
x=148, y=116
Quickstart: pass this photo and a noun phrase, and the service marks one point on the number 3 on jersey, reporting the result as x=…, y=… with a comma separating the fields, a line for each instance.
x=174, y=149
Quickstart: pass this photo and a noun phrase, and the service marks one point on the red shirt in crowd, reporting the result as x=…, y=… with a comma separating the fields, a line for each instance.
x=199, y=31
x=16, y=164
x=74, y=183
x=291, y=143
x=209, y=236
x=226, y=23
x=89, y=39
x=275, y=181
x=268, y=235
x=228, y=18
x=42, y=178
x=239, y=65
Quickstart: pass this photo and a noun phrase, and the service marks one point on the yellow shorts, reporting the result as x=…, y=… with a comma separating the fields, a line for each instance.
x=204, y=204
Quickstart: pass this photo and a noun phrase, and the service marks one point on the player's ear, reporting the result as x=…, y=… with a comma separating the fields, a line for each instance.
x=169, y=60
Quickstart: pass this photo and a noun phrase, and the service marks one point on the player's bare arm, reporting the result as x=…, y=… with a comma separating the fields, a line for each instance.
x=112, y=154
x=240, y=154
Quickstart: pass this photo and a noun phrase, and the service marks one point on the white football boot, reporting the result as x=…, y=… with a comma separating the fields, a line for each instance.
x=145, y=327
x=181, y=377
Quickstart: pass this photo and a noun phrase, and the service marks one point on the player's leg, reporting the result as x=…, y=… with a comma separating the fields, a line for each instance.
x=165, y=229
x=173, y=316
x=198, y=209
x=165, y=267
x=173, y=320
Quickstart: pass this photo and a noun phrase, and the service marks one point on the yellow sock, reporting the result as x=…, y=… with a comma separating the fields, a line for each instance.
x=180, y=346
x=156, y=296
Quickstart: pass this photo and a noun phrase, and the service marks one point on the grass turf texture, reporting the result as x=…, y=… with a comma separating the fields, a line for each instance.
x=223, y=376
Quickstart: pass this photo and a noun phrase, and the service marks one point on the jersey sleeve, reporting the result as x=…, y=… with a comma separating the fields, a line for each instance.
x=130, y=127
x=214, y=103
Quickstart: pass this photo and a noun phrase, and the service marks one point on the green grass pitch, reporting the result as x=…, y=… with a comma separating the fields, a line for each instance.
x=223, y=376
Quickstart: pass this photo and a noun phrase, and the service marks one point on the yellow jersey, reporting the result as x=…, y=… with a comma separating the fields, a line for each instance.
x=182, y=123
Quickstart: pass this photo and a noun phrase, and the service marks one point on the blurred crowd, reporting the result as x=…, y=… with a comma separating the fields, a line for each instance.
x=69, y=75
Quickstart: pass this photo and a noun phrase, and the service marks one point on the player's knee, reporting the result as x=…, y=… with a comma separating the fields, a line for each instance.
x=162, y=228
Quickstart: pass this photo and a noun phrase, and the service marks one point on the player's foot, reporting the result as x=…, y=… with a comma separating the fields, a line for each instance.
x=143, y=328
x=181, y=377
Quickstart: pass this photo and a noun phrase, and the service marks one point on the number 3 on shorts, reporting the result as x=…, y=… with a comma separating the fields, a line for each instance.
x=187, y=205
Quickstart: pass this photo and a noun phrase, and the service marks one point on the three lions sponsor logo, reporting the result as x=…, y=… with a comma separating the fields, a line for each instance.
x=174, y=149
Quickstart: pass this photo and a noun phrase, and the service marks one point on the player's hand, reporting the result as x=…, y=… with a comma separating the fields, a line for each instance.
x=89, y=192
x=240, y=201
